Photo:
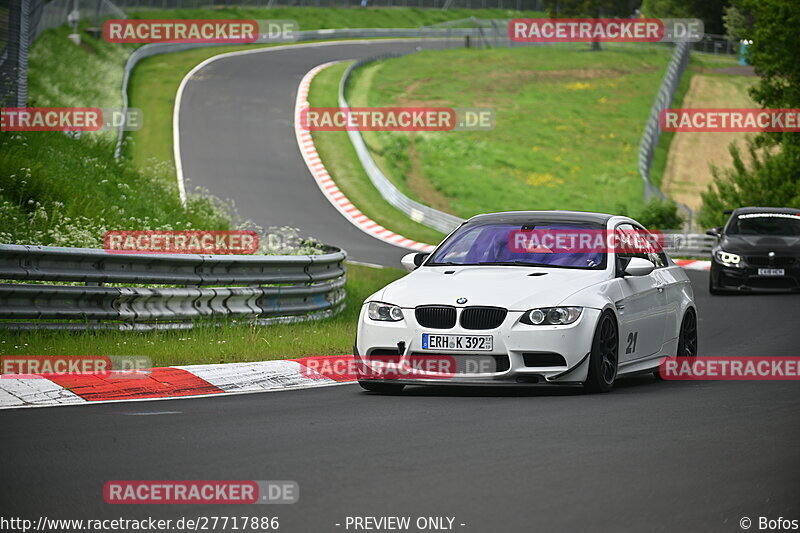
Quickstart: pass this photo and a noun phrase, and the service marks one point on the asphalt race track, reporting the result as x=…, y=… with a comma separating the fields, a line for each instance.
x=649, y=456
x=238, y=141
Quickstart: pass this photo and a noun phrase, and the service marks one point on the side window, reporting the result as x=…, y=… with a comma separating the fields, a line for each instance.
x=659, y=259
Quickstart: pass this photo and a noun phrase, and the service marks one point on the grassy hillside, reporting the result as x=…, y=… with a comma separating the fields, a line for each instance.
x=568, y=124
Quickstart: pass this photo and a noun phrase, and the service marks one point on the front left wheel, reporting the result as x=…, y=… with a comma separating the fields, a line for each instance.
x=604, y=356
x=384, y=388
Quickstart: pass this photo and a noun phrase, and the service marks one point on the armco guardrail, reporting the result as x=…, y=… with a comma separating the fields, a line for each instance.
x=688, y=244
x=439, y=220
x=652, y=130
x=153, y=49
x=261, y=289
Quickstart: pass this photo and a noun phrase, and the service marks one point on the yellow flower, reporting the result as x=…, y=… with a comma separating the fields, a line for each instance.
x=578, y=86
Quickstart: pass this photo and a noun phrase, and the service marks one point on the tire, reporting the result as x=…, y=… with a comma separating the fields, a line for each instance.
x=604, y=358
x=687, y=337
x=383, y=388
x=711, y=288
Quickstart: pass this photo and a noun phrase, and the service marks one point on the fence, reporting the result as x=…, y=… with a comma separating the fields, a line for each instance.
x=260, y=289
x=25, y=20
x=695, y=245
x=652, y=130
x=14, y=20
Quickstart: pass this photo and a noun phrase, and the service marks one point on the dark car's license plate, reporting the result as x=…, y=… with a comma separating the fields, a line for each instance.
x=770, y=272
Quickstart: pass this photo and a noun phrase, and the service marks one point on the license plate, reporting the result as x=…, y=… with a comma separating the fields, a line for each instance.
x=467, y=343
x=770, y=272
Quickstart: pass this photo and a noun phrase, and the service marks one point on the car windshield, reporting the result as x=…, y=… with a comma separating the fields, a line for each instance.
x=784, y=224
x=492, y=244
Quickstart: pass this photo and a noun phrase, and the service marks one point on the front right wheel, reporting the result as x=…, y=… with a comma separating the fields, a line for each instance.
x=604, y=356
x=687, y=338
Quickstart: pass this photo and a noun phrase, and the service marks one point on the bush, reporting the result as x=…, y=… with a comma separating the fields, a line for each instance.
x=770, y=180
x=656, y=214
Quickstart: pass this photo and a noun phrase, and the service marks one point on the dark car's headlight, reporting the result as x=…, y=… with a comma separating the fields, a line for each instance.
x=727, y=258
x=384, y=312
x=551, y=316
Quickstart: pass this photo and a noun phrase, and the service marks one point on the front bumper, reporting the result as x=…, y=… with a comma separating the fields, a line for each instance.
x=521, y=354
x=745, y=278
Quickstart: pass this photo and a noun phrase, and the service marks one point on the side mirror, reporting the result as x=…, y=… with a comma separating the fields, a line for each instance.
x=714, y=232
x=413, y=260
x=639, y=267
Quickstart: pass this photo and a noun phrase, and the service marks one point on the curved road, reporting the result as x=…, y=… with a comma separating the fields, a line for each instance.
x=238, y=141
x=649, y=456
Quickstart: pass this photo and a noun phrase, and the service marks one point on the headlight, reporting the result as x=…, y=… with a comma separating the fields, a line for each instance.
x=551, y=316
x=727, y=258
x=384, y=312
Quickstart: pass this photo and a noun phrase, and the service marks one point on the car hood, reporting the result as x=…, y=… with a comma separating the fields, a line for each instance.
x=515, y=288
x=760, y=244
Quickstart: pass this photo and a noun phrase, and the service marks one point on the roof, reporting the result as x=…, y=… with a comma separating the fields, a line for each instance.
x=747, y=210
x=554, y=216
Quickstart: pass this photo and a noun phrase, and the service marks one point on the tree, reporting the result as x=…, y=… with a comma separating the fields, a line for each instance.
x=772, y=26
x=590, y=8
x=772, y=178
x=709, y=11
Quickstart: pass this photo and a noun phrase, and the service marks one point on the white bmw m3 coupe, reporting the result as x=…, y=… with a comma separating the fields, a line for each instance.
x=529, y=297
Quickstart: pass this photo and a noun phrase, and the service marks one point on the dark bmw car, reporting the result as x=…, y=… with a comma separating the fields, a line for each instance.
x=758, y=250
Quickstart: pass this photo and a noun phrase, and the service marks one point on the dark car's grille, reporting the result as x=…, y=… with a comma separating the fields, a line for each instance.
x=482, y=317
x=436, y=317
x=763, y=260
x=772, y=283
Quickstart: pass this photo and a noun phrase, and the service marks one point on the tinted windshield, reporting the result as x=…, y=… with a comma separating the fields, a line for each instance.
x=491, y=243
x=765, y=224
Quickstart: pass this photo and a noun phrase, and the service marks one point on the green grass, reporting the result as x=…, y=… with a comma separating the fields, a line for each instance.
x=344, y=167
x=338, y=17
x=63, y=74
x=225, y=344
x=568, y=124
x=55, y=190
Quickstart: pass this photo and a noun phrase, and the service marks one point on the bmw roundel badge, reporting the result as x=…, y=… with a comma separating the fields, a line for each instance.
x=461, y=301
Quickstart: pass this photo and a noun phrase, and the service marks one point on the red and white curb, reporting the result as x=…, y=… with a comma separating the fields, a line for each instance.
x=177, y=382
x=326, y=183
x=693, y=264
